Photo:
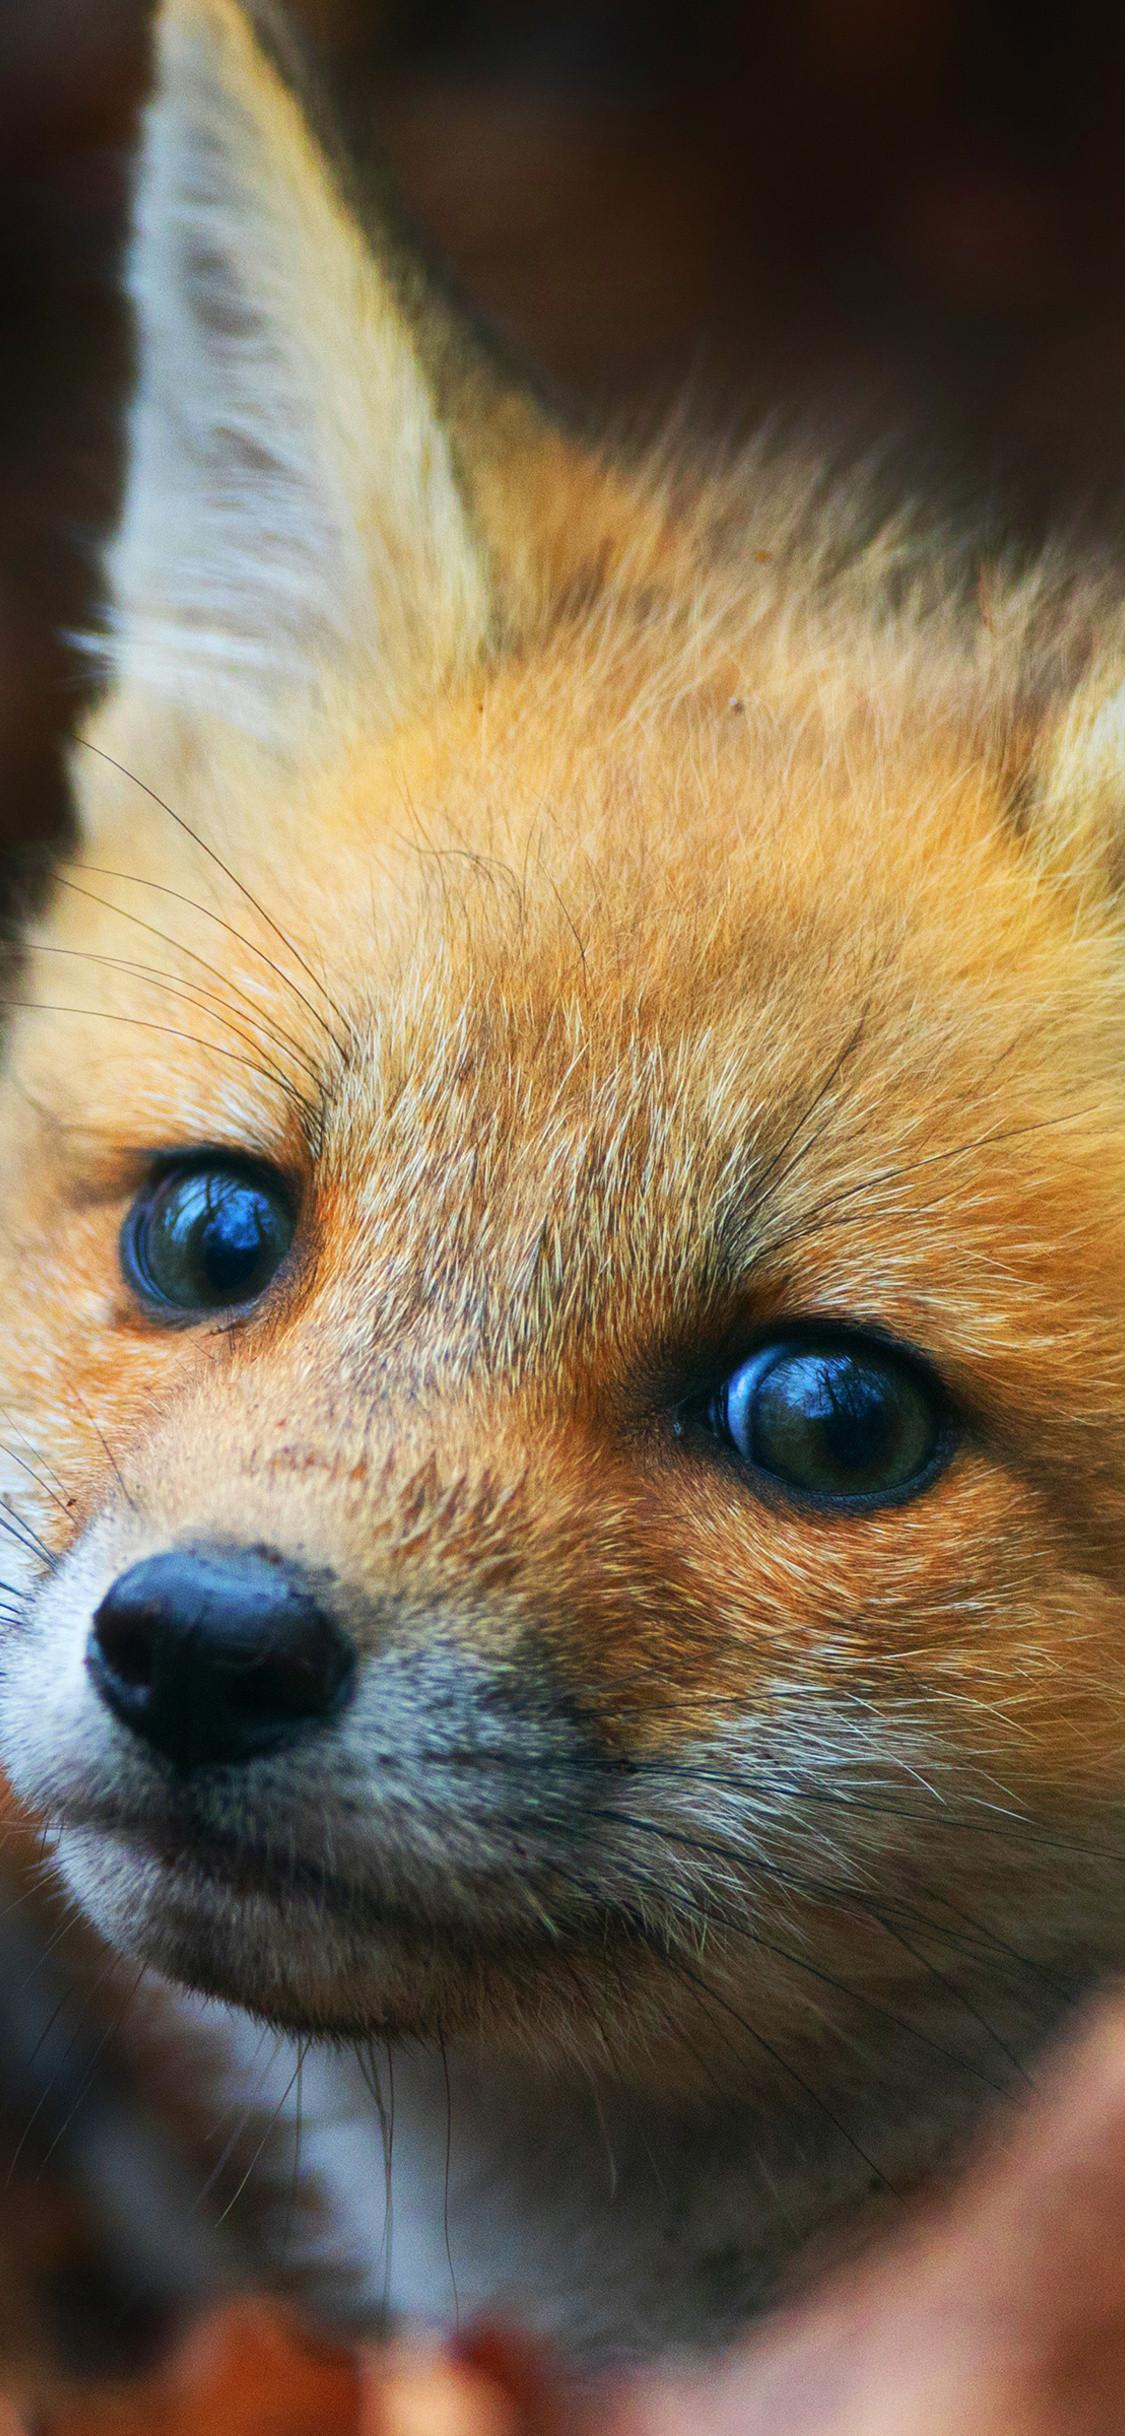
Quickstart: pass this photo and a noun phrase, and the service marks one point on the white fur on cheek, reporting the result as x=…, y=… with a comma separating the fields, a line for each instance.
x=58, y=1743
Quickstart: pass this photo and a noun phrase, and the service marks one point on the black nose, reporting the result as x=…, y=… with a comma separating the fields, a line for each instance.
x=216, y=1655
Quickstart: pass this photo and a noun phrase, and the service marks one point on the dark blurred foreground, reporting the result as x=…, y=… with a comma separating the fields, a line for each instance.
x=997, y=2311
x=895, y=216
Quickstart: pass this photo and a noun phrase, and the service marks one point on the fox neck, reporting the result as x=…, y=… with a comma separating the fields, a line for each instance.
x=614, y=2227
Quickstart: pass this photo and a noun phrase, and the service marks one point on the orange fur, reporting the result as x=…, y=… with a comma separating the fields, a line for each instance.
x=700, y=919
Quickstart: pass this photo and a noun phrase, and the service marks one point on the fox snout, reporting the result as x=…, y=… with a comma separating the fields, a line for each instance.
x=216, y=1655
x=326, y=1780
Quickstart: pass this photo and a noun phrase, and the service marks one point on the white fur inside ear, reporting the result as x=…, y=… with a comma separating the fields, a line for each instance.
x=292, y=525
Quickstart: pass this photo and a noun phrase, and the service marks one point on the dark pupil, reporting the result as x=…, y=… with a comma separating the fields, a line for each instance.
x=212, y=1238
x=834, y=1422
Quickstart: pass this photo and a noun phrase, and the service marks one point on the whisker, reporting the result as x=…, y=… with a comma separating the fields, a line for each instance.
x=822, y=1216
x=236, y=2112
x=294, y=2180
x=445, y=2186
x=369, y=2075
x=36, y=1006
x=235, y=882
x=191, y=991
x=73, y=2041
x=207, y=913
x=21, y=1531
x=1006, y=1826
x=1002, y=1825
x=992, y=1945
x=775, y=1171
x=233, y=2141
x=99, y=1433
x=269, y=1026
x=989, y=1948
x=11, y=1456
x=263, y=2143
x=86, y=2084
x=390, y=2157
x=41, y=1459
x=708, y=1995
x=846, y=1901
x=710, y=1914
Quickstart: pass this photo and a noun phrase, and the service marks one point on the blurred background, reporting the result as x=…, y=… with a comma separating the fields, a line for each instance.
x=901, y=221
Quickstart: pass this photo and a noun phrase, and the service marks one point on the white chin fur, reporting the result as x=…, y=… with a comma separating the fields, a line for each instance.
x=117, y=1885
x=192, y=1931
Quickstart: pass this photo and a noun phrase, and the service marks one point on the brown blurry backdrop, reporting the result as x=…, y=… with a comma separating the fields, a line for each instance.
x=900, y=217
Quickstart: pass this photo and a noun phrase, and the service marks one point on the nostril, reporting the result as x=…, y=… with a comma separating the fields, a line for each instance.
x=286, y=1682
x=127, y=1644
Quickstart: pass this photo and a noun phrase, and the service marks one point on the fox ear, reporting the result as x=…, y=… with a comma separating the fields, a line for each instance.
x=294, y=529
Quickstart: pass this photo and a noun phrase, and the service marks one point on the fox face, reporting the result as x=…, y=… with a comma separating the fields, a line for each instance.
x=562, y=1218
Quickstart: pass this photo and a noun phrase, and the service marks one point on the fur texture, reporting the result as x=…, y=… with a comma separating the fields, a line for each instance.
x=633, y=907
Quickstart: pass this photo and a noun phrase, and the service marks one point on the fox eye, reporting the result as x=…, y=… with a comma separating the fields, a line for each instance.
x=840, y=1418
x=207, y=1236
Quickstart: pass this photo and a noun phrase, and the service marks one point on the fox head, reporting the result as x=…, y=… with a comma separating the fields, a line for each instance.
x=562, y=1210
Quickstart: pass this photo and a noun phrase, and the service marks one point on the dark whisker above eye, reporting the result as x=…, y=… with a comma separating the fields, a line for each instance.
x=779, y=1167
x=41, y=1006
x=180, y=947
x=279, y=934
x=195, y=995
x=822, y=1216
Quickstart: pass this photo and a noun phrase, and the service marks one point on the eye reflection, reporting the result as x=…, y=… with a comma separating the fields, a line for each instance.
x=206, y=1237
x=840, y=1418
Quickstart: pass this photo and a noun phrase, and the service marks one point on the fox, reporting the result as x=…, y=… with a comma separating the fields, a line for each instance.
x=562, y=1239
